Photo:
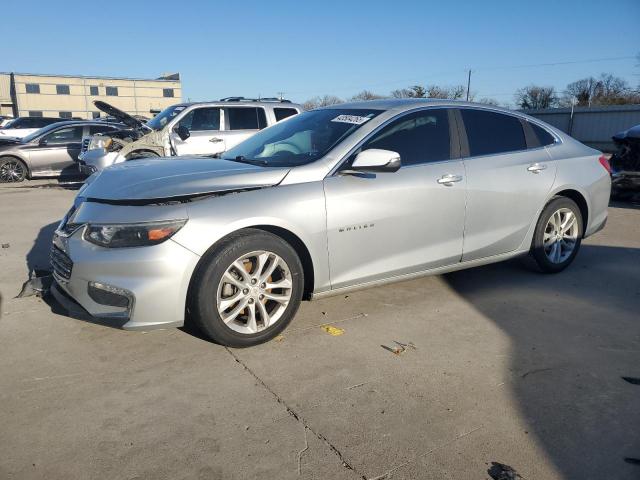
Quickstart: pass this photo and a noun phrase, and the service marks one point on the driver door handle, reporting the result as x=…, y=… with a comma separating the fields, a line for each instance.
x=216, y=140
x=536, y=167
x=449, y=179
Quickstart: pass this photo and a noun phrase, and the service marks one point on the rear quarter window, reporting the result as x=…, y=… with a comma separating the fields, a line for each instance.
x=492, y=132
x=544, y=137
x=246, y=118
x=282, y=113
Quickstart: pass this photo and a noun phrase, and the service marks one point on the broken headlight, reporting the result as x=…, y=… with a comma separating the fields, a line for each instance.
x=131, y=234
x=99, y=141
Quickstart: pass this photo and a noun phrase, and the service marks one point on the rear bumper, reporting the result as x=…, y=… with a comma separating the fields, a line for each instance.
x=153, y=279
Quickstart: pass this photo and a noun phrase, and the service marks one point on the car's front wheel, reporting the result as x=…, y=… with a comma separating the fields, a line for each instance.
x=12, y=170
x=558, y=235
x=247, y=290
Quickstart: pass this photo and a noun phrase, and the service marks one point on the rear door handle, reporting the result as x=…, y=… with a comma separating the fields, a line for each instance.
x=536, y=167
x=216, y=140
x=449, y=179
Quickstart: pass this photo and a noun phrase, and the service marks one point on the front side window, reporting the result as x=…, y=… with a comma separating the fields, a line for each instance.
x=491, y=133
x=32, y=88
x=245, y=118
x=111, y=91
x=282, y=113
x=65, y=114
x=62, y=89
x=93, y=90
x=419, y=137
x=202, y=119
x=302, y=139
x=64, y=136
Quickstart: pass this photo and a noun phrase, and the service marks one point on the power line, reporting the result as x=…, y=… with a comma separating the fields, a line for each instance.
x=460, y=71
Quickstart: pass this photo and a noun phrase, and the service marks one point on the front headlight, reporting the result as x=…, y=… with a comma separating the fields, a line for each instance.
x=99, y=141
x=131, y=234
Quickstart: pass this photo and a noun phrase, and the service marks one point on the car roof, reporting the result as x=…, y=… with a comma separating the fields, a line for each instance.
x=401, y=104
x=246, y=103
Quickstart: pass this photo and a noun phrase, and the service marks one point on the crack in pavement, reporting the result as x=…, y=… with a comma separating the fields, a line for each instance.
x=298, y=416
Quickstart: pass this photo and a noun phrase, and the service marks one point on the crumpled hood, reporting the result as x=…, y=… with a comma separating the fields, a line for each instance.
x=165, y=178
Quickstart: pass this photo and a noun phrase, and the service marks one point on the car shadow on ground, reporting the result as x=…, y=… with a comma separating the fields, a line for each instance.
x=573, y=338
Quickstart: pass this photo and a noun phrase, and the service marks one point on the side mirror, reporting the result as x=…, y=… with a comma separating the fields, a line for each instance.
x=43, y=142
x=376, y=160
x=183, y=132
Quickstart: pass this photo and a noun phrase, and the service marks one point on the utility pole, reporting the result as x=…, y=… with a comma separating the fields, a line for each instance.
x=468, y=84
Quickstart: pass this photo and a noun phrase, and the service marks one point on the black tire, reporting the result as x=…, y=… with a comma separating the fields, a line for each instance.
x=140, y=154
x=12, y=170
x=202, y=302
x=537, y=252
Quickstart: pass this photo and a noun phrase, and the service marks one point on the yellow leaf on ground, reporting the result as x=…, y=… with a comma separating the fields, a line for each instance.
x=331, y=330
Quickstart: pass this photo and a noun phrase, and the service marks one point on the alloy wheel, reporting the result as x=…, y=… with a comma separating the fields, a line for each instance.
x=560, y=235
x=254, y=292
x=11, y=171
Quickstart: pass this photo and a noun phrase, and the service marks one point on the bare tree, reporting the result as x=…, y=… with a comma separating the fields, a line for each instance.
x=366, y=95
x=431, y=91
x=607, y=89
x=402, y=93
x=535, y=96
x=489, y=101
x=323, y=101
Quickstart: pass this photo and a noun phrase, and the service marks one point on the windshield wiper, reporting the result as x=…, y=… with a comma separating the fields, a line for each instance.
x=242, y=159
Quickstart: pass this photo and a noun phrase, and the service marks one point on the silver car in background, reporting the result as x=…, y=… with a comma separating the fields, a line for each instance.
x=202, y=128
x=332, y=200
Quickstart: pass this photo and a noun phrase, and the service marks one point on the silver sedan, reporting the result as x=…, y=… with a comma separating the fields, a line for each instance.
x=332, y=200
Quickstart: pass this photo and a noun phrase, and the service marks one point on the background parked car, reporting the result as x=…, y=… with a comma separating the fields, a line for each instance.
x=625, y=163
x=50, y=151
x=23, y=126
x=4, y=119
x=206, y=128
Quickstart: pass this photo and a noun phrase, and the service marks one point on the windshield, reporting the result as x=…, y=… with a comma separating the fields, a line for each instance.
x=39, y=132
x=301, y=139
x=165, y=116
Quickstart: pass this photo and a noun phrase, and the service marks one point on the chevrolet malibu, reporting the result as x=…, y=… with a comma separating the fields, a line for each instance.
x=331, y=200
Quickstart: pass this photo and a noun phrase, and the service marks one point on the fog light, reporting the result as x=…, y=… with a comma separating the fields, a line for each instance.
x=109, y=295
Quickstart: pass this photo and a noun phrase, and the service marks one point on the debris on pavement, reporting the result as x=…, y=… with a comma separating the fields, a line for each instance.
x=331, y=330
x=500, y=471
x=632, y=380
x=400, y=347
x=38, y=284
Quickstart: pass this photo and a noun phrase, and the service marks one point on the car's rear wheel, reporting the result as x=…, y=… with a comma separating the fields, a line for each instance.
x=247, y=290
x=558, y=235
x=12, y=170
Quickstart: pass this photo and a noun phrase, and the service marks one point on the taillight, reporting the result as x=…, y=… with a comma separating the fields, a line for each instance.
x=604, y=161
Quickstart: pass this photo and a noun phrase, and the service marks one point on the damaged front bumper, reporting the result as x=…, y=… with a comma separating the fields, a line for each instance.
x=139, y=288
x=98, y=159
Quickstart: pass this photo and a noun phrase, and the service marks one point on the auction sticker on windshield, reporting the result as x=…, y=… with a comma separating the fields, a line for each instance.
x=353, y=119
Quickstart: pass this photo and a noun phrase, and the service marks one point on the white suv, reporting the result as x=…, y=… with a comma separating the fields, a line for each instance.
x=203, y=128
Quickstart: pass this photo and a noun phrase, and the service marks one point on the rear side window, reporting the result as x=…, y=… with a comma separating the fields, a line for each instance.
x=202, y=119
x=282, y=113
x=246, y=118
x=100, y=129
x=544, y=137
x=491, y=132
x=419, y=137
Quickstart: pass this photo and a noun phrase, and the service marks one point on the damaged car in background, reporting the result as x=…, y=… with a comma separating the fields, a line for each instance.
x=625, y=164
x=204, y=128
x=323, y=203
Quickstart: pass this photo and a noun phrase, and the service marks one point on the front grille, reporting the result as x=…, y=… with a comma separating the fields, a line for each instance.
x=61, y=263
x=85, y=144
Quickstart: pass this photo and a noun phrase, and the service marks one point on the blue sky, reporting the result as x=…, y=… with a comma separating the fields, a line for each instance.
x=308, y=48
